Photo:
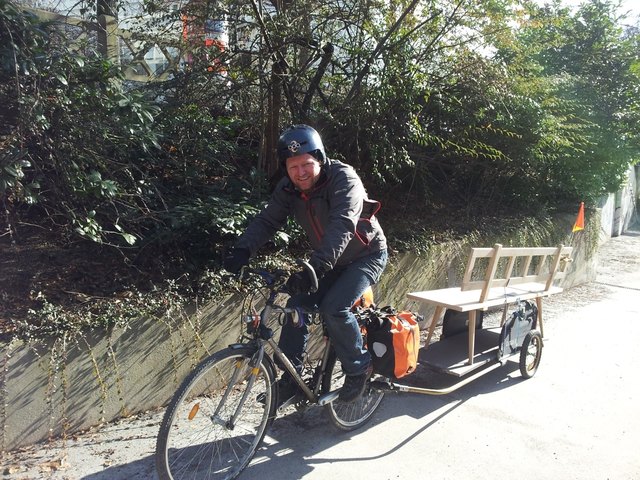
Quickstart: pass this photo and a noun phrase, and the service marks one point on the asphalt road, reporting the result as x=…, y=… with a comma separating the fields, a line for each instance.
x=577, y=418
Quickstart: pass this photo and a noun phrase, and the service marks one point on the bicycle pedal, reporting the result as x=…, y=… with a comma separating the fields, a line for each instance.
x=328, y=398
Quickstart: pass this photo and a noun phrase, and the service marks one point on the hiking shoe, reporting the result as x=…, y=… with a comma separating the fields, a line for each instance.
x=354, y=386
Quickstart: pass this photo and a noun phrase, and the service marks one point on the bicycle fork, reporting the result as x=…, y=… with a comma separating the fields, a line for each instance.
x=254, y=364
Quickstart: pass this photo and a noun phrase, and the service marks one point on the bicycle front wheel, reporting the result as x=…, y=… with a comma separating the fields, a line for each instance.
x=352, y=415
x=217, y=418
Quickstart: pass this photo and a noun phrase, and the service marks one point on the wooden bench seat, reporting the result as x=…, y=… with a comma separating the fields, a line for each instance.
x=463, y=301
x=499, y=276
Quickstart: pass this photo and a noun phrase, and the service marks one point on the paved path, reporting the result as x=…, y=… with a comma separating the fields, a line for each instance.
x=576, y=419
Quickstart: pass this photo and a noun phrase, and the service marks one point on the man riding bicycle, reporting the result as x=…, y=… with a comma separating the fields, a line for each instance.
x=328, y=200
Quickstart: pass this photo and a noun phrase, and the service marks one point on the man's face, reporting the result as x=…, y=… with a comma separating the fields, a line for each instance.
x=304, y=171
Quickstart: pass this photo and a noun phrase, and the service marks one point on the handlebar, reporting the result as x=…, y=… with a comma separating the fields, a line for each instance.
x=312, y=274
x=276, y=279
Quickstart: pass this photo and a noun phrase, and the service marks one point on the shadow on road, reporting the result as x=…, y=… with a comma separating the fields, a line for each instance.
x=306, y=440
x=143, y=469
x=300, y=440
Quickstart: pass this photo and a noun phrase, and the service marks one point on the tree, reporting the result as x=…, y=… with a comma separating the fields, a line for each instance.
x=586, y=84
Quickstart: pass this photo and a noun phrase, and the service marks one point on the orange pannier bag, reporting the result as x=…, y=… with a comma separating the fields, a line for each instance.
x=393, y=339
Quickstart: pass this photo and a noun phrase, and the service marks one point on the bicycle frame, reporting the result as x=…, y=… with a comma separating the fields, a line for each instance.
x=262, y=336
x=313, y=396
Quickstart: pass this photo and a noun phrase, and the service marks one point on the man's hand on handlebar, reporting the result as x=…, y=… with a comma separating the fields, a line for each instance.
x=299, y=282
x=303, y=281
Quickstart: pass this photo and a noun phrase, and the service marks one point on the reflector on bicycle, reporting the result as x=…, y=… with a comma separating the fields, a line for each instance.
x=194, y=411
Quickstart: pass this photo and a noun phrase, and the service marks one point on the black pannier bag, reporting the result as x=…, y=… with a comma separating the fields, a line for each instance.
x=521, y=322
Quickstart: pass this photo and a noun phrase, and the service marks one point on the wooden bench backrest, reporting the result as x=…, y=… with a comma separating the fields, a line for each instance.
x=548, y=264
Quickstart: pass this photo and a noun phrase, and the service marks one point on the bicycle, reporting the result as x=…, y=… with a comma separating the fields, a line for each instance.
x=220, y=414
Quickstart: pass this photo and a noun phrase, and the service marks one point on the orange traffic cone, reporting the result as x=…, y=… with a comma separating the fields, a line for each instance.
x=579, y=225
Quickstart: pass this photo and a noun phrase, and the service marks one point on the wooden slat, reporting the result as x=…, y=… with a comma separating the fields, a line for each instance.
x=554, y=266
x=509, y=269
x=527, y=264
x=466, y=278
x=524, y=251
x=491, y=271
x=544, y=273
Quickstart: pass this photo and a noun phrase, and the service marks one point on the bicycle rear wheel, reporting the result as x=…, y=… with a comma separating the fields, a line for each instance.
x=199, y=436
x=352, y=415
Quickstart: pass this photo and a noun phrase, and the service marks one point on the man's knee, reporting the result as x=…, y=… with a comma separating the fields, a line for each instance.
x=331, y=311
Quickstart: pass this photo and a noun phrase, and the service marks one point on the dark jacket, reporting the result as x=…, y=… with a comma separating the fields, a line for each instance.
x=336, y=215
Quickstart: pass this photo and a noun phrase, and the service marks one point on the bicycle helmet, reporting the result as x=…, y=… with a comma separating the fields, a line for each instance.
x=298, y=139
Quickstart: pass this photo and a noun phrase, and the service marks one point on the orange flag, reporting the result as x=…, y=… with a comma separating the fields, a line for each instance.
x=579, y=225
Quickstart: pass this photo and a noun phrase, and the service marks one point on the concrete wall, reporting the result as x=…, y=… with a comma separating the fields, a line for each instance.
x=619, y=210
x=54, y=387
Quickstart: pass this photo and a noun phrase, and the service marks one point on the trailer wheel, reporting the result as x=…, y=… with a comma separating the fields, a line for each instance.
x=530, y=353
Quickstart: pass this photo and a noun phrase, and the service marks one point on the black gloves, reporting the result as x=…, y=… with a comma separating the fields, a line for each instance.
x=236, y=259
x=299, y=282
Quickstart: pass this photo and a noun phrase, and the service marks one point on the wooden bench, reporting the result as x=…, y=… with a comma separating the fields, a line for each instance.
x=499, y=276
